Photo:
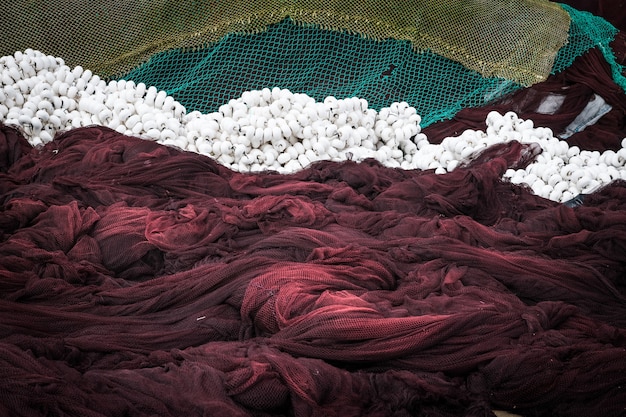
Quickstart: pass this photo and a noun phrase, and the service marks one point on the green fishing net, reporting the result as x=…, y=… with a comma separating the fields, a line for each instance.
x=342, y=64
x=439, y=56
x=514, y=39
x=588, y=31
x=336, y=64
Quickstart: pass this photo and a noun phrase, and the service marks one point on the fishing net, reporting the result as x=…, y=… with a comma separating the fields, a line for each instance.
x=516, y=39
x=440, y=57
x=138, y=279
x=205, y=53
x=322, y=63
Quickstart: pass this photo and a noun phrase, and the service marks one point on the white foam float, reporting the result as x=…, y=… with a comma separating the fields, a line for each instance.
x=279, y=130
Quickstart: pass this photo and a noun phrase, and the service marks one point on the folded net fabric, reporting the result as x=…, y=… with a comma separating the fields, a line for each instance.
x=140, y=280
x=137, y=279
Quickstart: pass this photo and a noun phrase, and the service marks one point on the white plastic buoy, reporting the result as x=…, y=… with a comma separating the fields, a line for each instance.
x=276, y=129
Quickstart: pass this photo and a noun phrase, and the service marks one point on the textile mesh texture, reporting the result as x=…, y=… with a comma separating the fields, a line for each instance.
x=140, y=280
x=515, y=39
x=347, y=65
x=336, y=64
x=204, y=54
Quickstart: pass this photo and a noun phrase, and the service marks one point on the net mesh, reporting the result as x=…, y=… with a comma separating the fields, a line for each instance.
x=334, y=64
x=322, y=62
x=589, y=31
x=515, y=39
x=440, y=57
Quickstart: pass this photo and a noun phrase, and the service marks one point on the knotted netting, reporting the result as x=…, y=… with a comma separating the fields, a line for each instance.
x=282, y=239
x=439, y=57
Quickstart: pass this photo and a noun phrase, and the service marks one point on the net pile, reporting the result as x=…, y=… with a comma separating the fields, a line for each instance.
x=265, y=252
x=138, y=279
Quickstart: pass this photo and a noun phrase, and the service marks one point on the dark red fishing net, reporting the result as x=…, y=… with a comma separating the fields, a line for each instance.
x=588, y=78
x=139, y=280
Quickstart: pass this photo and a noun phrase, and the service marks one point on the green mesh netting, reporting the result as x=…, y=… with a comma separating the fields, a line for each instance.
x=588, y=31
x=439, y=56
x=319, y=63
x=513, y=39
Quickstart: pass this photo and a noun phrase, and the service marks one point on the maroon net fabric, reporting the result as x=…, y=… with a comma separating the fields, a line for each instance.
x=589, y=75
x=136, y=279
x=612, y=10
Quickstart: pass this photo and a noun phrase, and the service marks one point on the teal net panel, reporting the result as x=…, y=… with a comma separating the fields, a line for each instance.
x=321, y=63
x=588, y=31
x=335, y=64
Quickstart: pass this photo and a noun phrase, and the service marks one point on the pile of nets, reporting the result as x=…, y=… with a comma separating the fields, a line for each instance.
x=139, y=279
x=311, y=208
x=439, y=57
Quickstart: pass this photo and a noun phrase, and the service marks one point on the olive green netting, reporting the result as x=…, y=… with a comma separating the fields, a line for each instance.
x=321, y=62
x=512, y=39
